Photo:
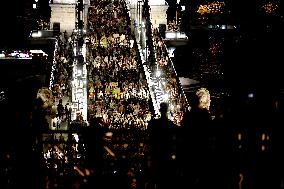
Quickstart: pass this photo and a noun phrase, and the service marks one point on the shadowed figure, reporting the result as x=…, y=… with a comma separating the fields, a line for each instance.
x=161, y=149
x=194, y=148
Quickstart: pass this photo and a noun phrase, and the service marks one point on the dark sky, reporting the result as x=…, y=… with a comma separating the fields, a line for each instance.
x=13, y=14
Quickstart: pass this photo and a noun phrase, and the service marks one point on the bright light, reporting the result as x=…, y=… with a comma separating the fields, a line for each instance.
x=171, y=51
x=166, y=97
x=79, y=72
x=204, y=98
x=170, y=35
x=36, y=34
x=157, y=2
x=250, y=95
x=158, y=73
x=34, y=6
x=182, y=8
x=181, y=35
x=38, y=51
x=76, y=137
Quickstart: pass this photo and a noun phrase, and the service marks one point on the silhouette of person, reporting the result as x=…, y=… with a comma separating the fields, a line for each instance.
x=161, y=134
x=60, y=109
x=93, y=139
x=195, y=144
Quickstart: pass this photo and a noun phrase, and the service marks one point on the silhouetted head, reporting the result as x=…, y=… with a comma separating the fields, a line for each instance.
x=194, y=101
x=164, y=108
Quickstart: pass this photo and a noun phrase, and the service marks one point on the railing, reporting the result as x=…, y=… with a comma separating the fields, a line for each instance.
x=167, y=81
x=157, y=82
x=79, y=83
x=173, y=67
x=54, y=64
x=140, y=37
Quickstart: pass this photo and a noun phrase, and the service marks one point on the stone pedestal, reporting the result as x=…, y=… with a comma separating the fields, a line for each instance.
x=65, y=15
x=64, y=12
x=158, y=15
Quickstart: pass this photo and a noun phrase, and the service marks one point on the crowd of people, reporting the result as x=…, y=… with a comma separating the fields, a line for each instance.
x=118, y=97
x=168, y=80
x=124, y=145
x=62, y=74
x=118, y=91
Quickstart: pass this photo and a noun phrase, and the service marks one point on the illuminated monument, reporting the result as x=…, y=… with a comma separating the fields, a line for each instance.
x=63, y=13
x=158, y=11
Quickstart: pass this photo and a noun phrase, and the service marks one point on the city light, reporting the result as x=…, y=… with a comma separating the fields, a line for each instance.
x=211, y=8
x=36, y=34
x=269, y=7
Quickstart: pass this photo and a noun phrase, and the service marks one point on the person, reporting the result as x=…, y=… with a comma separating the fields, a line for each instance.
x=60, y=109
x=194, y=145
x=93, y=139
x=161, y=144
x=68, y=111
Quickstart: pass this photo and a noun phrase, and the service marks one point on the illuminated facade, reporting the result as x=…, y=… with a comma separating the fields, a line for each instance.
x=64, y=12
x=158, y=11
